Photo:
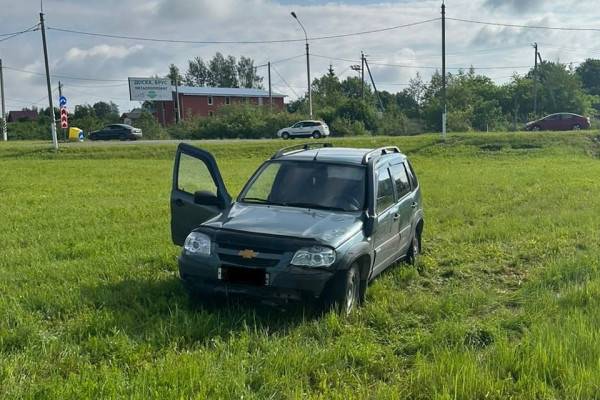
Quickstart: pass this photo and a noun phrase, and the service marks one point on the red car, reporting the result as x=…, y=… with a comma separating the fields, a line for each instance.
x=559, y=122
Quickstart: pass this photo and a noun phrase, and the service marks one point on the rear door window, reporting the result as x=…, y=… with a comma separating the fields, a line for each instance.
x=385, y=190
x=401, y=180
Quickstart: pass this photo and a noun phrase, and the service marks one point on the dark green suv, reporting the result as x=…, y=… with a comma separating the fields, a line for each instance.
x=314, y=222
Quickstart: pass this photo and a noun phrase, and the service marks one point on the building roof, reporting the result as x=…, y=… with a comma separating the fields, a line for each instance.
x=14, y=116
x=220, y=91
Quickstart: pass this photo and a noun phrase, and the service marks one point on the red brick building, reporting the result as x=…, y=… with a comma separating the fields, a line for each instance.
x=205, y=101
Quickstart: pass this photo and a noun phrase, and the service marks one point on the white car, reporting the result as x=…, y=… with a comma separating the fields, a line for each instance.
x=316, y=129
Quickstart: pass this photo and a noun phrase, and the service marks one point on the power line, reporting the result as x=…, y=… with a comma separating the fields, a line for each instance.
x=66, y=76
x=420, y=66
x=280, y=61
x=19, y=32
x=284, y=81
x=8, y=36
x=324, y=37
x=556, y=28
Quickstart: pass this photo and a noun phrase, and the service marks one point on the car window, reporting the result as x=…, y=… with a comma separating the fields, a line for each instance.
x=261, y=188
x=194, y=176
x=385, y=190
x=297, y=125
x=400, y=179
x=308, y=184
x=567, y=116
x=553, y=117
x=412, y=177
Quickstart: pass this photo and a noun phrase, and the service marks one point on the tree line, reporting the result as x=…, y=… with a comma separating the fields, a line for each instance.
x=475, y=103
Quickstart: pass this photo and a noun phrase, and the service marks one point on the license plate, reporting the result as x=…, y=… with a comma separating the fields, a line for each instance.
x=244, y=276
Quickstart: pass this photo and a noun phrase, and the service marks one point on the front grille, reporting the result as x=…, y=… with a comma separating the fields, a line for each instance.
x=257, y=262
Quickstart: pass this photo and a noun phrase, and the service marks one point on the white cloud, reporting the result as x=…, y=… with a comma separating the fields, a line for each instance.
x=116, y=59
x=103, y=51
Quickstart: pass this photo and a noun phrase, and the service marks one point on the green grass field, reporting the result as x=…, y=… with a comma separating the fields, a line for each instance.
x=505, y=302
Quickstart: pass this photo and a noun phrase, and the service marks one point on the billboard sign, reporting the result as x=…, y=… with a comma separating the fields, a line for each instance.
x=142, y=89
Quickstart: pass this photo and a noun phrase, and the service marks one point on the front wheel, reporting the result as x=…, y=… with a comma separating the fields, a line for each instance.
x=536, y=128
x=346, y=291
x=576, y=127
x=285, y=135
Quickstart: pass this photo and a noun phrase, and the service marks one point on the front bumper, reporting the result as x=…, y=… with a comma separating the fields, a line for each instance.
x=288, y=282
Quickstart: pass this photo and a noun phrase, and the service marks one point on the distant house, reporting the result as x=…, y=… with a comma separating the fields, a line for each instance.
x=23, y=115
x=205, y=101
x=132, y=116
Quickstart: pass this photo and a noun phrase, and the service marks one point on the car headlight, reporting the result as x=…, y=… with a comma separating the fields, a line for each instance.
x=316, y=256
x=197, y=243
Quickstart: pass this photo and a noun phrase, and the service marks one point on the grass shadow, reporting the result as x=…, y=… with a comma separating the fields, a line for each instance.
x=161, y=312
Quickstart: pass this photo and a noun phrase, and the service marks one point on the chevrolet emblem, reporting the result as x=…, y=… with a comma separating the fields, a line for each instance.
x=247, y=253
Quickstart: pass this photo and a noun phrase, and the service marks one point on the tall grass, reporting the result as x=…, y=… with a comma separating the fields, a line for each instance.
x=503, y=305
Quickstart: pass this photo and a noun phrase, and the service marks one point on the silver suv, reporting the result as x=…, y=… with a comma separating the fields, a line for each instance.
x=315, y=129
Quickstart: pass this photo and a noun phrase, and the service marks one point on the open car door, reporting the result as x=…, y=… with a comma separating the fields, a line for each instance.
x=198, y=192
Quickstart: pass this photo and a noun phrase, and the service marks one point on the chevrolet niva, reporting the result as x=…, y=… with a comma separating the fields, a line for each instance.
x=314, y=223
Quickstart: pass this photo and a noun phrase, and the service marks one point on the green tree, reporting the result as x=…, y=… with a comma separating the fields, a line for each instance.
x=106, y=111
x=174, y=74
x=589, y=74
x=560, y=90
x=198, y=73
x=223, y=71
x=246, y=72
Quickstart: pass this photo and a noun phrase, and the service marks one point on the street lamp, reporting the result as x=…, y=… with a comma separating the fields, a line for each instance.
x=307, y=65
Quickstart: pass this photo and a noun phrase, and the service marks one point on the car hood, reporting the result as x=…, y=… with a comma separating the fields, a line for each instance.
x=330, y=227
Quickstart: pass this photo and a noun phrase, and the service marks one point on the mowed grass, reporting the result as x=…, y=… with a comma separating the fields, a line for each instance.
x=504, y=304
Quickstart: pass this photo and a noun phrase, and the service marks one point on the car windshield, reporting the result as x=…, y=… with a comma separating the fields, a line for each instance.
x=308, y=185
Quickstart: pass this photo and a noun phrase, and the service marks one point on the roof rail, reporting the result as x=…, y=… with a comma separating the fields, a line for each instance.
x=380, y=152
x=298, y=148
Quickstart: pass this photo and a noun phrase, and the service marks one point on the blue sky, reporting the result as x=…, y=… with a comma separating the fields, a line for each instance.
x=396, y=55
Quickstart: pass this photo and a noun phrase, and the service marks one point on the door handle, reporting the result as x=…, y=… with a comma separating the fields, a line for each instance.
x=414, y=204
x=396, y=216
x=178, y=202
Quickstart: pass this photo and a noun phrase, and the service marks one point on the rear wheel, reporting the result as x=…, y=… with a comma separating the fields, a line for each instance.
x=285, y=135
x=414, y=250
x=316, y=135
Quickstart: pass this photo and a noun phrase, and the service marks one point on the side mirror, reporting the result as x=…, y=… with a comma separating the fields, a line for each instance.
x=208, y=199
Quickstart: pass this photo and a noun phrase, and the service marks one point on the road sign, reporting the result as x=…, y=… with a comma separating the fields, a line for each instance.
x=64, y=118
x=153, y=89
x=62, y=101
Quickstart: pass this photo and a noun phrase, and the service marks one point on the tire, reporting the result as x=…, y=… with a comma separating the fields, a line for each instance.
x=92, y=138
x=412, y=256
x=347, y=291
x=316, y=135
x=123, y=138
x=576, y=127
x=536, y=128
x=285, y=135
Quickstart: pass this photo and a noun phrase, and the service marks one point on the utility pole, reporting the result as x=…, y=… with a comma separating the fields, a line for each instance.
x=373, y=83
x=178, y=114
x=3, y=116
x=444, y=70
x=362, y=75
x=310, y=109
x=535, y=47
x=270, y=91
x=52, y=122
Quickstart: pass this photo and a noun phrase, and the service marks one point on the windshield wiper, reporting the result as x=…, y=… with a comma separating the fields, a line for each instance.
x=315, y=206
x=259, y=200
